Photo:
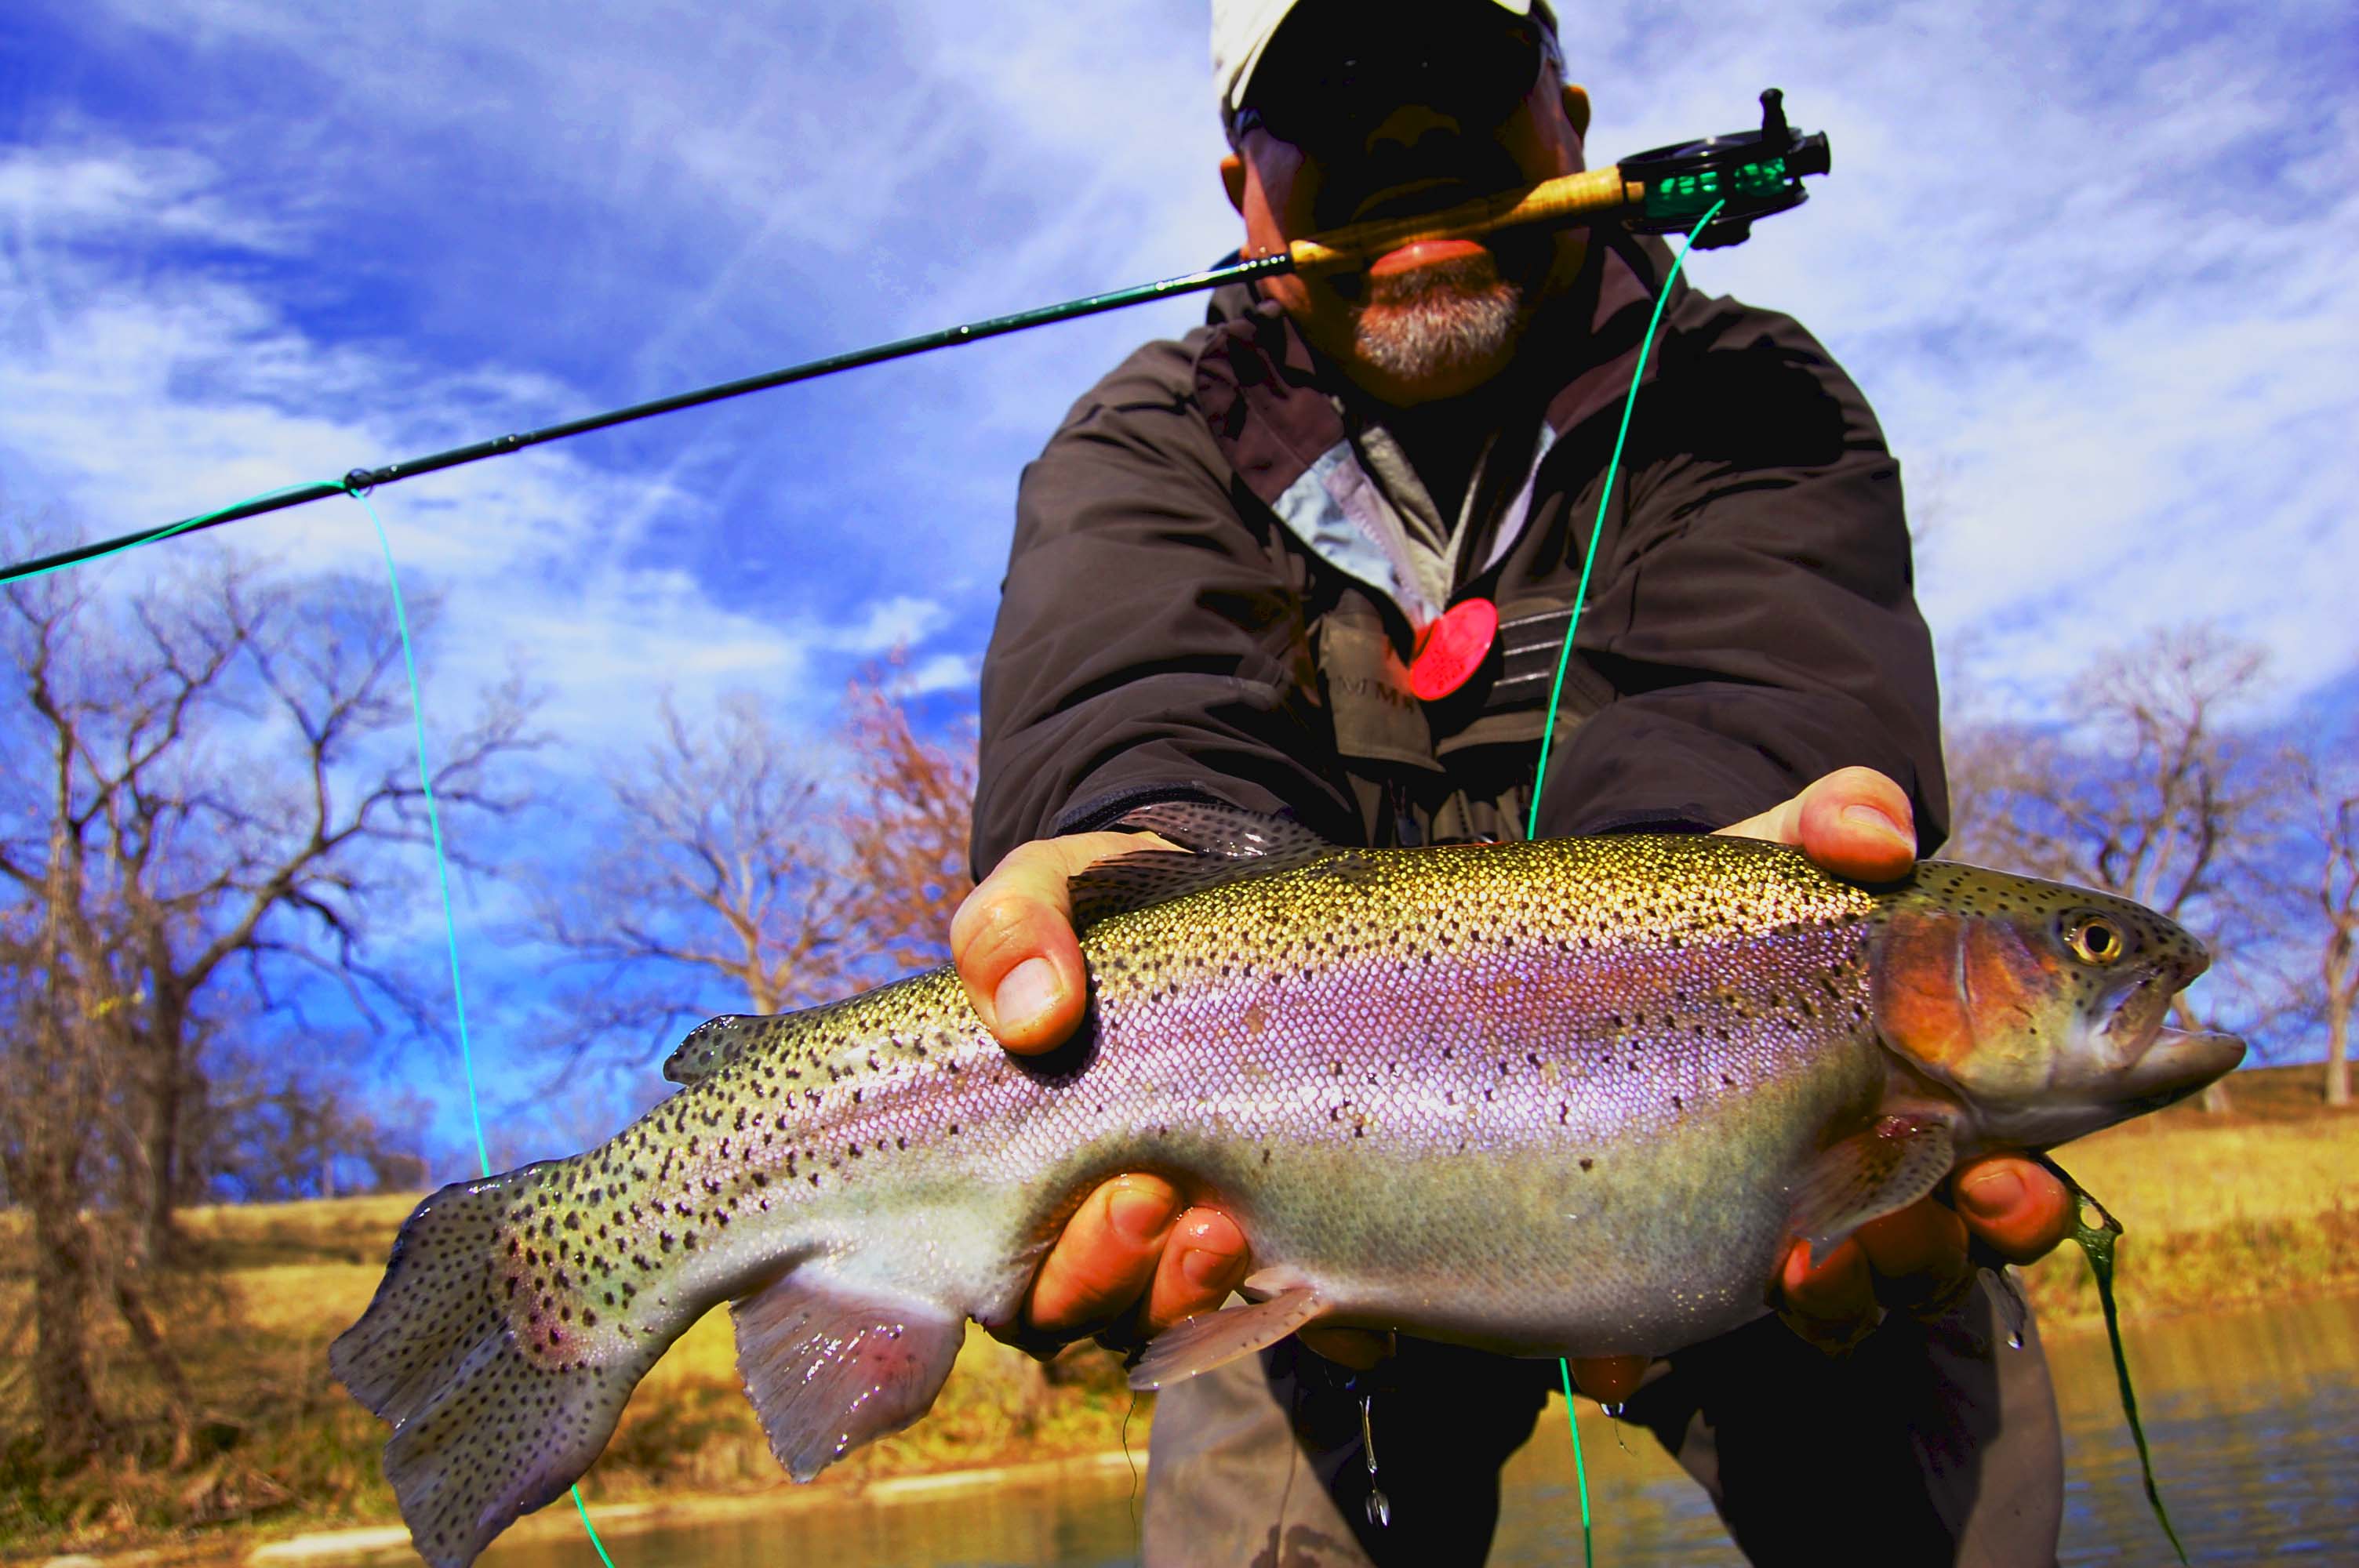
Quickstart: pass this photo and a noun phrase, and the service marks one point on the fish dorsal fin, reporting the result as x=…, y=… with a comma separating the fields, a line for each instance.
x=1219, y=844
x=1869, y=1175
x=711, y=1043
x=717, y=1042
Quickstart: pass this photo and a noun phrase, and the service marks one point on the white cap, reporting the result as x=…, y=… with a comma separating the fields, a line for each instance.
x=1242, y=30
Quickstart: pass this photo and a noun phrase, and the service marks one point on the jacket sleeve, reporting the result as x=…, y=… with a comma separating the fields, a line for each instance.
x=1147, y=646
x=1756, y=622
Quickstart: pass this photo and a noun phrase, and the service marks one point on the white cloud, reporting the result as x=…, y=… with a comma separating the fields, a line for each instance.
x=2089, y=267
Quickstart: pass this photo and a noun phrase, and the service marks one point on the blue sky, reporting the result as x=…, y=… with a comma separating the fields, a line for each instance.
x=2092, y=265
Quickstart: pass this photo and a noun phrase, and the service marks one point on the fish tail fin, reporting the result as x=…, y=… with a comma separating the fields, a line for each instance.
x=481, y=1352
x=830, y=1364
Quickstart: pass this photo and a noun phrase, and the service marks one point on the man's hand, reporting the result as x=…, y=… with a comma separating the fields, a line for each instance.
x=1857, y=823
x=1131, y=1242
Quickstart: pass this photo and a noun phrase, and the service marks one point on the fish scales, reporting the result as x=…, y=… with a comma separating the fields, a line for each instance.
x=1557, y=1097
x=1298, y=1078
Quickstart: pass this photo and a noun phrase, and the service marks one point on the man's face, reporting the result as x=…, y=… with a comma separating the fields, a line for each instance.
x=1441, y=318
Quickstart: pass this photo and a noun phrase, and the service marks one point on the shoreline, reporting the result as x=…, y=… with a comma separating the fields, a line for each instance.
x=366, y=1544
x=620, y=1521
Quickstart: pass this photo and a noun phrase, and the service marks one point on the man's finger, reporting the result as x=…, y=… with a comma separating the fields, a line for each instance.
x=1608, y=1380
x=1106, y=1258
x=2016, y=1206
x=1918, y=1255
x=1857, y=823
x=1854, y=822
x=1206, y=1259
x=1357, y=1348
x=1833, y=1304
x=1013, y=939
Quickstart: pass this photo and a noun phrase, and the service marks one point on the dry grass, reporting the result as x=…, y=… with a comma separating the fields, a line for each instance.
x=2220, y=1211
x=282, y=1448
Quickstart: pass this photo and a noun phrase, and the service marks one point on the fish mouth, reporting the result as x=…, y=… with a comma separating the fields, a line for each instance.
x=2178, y=1063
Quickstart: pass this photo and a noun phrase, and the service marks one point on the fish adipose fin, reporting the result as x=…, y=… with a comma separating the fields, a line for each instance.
x=487, y=1425
x=1219, y=845
x=831, y=1365
x=1217, y=1338
x=1870, y=1174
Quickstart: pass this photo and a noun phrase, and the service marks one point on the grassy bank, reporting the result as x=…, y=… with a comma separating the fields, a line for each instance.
x=2221, y=1211
x=2218, y=1211
x=281, y=1449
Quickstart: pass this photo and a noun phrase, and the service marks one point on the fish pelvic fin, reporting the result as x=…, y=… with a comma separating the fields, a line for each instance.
x=1869, y=1175
x=1216, y=1339
x=829, y=1366
x=495, y=1410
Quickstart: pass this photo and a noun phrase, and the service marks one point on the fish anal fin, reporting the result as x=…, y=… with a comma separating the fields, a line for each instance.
x=831, y=1365
x=1870, y=1174
x=1219, y=845
x=1216, y=1339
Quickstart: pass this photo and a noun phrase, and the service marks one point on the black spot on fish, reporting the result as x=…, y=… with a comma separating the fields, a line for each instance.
x=1586, y=1163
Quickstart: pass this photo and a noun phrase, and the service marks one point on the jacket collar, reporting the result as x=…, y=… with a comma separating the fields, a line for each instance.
x=1275, y=409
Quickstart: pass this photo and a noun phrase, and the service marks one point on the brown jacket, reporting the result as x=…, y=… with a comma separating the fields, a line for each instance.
x=1189, y=609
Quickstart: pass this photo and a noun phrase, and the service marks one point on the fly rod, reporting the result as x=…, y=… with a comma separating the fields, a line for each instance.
x=1750, y=173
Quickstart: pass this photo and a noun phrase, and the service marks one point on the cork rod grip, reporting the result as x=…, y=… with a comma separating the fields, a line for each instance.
x=1567, y=196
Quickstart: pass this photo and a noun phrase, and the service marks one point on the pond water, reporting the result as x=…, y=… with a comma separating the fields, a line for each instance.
x=2254, y=1417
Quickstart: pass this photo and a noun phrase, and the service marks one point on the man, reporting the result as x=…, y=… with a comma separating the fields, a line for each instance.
x=1260, y=566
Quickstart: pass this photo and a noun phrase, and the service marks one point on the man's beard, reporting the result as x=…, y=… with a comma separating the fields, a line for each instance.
x=1450, y=315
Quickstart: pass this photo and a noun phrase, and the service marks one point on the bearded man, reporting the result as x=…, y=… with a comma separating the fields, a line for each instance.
x=1318, y=557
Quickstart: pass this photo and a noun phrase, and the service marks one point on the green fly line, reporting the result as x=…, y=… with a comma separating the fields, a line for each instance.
x=1547, y=733
x=433, y=818
x=2097, y=1240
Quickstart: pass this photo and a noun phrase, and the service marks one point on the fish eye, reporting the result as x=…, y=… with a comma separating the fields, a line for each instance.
x=2095, y=939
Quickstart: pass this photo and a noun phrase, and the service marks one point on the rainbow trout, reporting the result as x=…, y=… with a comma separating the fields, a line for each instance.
x=1568, y=1097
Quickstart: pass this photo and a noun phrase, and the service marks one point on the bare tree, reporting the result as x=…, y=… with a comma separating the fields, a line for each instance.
x=277, y=1121
x=908, y=822
x=2331, y=781
x=2152, y=791
x=723, y=862
x=208, y=776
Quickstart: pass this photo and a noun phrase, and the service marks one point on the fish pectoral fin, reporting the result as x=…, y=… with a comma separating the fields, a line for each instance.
x=1870, y=1174
x=830, y=1367
x=1216, y=1339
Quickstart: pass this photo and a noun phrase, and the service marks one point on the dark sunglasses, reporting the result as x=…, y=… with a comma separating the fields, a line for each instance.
x=1306, y=91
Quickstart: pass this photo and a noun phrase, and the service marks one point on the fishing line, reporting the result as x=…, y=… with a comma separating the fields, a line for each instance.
x=2097, y=1241
x=425, y=782
x=1547, y=733
x=442, y=877
x=63, y=559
